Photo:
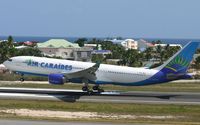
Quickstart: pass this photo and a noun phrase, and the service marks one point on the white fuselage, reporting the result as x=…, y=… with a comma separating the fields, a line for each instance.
x=105, y=73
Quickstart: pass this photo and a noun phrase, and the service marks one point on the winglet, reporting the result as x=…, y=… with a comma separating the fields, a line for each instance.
x=97, y=64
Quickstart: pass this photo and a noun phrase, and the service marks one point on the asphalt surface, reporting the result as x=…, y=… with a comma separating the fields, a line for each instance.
x=109, y=96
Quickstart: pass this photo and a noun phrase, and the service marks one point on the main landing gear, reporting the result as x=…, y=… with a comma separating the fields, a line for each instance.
x=95, y=88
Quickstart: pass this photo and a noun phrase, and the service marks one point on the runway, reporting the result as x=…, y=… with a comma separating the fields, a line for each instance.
x=109, y=96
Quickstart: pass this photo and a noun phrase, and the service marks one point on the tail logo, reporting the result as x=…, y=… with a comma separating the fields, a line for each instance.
x=178, y=64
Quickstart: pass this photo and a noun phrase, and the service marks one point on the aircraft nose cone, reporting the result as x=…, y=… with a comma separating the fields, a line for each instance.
x=3, y=67
x=4, y=63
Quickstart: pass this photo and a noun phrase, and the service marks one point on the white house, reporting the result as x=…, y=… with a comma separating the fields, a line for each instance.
x=127, y=43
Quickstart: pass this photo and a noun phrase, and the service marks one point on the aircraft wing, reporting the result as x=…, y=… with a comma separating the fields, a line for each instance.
x=88, y=73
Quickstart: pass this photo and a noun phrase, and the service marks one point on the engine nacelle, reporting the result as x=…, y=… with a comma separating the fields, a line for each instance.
x=57, y=79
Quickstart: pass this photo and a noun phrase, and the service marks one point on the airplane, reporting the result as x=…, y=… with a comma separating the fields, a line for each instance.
x=60, y=71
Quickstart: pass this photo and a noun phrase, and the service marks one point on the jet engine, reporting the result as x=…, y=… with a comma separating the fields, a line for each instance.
x=57, y=79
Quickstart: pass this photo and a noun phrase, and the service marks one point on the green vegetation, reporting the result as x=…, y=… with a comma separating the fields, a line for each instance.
x=7, y=49
x=197, y=63
x=29, y=52
x=98, y=58
x=81, y=41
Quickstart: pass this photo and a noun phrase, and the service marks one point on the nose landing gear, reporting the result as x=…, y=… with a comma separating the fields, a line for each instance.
x=22, y=78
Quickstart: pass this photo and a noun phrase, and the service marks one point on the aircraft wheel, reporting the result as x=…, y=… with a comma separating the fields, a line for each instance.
x=85, y=88
x=95, y=87
x=21, y=79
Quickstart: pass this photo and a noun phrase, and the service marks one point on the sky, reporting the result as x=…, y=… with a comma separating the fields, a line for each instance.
x=101, y=18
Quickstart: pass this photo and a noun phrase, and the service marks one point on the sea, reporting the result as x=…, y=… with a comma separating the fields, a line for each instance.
x=73, y=39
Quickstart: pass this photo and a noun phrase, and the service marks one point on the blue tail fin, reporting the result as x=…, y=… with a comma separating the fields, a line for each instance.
x=179, y=63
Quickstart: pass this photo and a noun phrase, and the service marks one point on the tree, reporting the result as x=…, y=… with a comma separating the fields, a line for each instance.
x=158, y=52
x=97, y=58
x=81, y=41
x=3, y=51
x=148, y=53
x=10, y=41
x=132, y=58
x=197, y=63
x=11, y=48
x=198, y=51
x=7, y=49
x=170, y=51
x=29, y=52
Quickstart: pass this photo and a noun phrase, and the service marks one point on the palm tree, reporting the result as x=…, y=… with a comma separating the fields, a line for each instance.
x=158, y=52
x=11, y=50
x=131, y=57
x=81, y=41
x=10, y=41
x=197, y=63
x=148, y=53
x=4, y=51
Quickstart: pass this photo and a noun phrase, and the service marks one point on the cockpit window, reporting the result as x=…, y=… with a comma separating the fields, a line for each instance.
x=10, y=60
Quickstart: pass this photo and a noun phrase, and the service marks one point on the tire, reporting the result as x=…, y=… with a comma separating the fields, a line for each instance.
x=85, y=88
x=21, y=79
x=95, y=87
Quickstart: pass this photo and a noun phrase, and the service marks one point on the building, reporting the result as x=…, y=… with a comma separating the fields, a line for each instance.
x=57, y=43
x=64, y=49
x=58, y=48
x=21, y=47
x=3, y=41
x=102, y=52
x=172, y=45
x=127, y=43
x=115, y=41
x=143, y=45
x=93, y=46
x=82, y=54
